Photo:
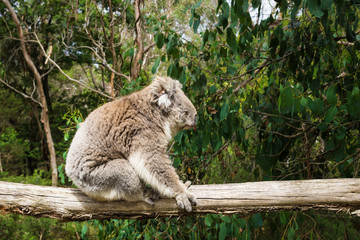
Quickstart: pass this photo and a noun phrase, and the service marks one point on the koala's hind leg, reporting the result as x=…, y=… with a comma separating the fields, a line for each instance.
x=156, y=170
x=117, y=180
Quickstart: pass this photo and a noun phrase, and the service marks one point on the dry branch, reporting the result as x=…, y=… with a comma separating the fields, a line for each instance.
x=68, y=204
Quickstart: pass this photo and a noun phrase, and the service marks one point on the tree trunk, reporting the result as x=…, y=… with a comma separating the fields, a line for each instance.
x=69, y=204
x=136, y=66
x=45, y=83
x=112, y=49
x=40, y=89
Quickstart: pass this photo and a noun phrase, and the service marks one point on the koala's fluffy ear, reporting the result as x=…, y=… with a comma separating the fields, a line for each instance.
x=162, y=89
x=163, y=100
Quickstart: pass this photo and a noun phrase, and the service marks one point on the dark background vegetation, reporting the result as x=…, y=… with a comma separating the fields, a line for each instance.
x=277, y=94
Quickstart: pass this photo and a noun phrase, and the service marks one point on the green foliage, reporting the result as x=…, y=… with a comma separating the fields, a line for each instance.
x=73, y=120
x=11, y=111
x=209, y=227
x=260, y=226
x=12, y=149
x=39, y=177
x=15, y=226
x=299, y=90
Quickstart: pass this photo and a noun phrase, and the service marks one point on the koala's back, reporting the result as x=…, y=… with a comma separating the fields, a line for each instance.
x=103, y=136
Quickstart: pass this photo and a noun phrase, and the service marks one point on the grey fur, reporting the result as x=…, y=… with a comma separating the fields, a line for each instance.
x=121, y=146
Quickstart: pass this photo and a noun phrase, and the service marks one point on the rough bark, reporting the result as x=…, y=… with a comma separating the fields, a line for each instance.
x=69, y=204
x=40, y=89
x=136, y=65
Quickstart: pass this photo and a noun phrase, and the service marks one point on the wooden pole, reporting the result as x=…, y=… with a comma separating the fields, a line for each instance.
x=69, y=204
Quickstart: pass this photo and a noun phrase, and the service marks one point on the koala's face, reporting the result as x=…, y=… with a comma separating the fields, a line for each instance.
x=174, y=104
x=183, y=110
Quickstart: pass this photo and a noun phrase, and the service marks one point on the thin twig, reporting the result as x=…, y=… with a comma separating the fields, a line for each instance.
x=70, y=78
x=103, y=61
x=257, y=70
x=21, y=93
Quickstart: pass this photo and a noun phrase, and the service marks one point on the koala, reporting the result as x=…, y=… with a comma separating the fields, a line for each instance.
x=121, y=146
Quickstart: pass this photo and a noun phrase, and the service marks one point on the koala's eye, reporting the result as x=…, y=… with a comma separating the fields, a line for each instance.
x=186, y=113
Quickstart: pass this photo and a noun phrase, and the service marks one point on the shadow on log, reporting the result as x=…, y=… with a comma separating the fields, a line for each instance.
x=70, y=204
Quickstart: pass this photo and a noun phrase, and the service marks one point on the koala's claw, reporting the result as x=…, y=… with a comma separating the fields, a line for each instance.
x=185, y=200
x=149, y=201
x=187, y=184
x=150, y=195
x=193, y=200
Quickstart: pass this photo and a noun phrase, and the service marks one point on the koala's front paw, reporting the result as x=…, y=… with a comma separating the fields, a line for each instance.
x=184, y=201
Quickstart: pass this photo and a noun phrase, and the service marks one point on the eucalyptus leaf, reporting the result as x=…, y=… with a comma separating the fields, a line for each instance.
x=331, y=112
x=315, y=8
x=223, y=231
x=331, y=95
x=208, y=220
x=224, y=111
x=156, y=65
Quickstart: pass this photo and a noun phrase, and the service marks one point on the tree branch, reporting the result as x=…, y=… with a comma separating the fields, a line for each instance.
x=21, y=93
x=257, y=70
x=103, y=61
x=68, y=77
x=242, y=198
x=149, y=47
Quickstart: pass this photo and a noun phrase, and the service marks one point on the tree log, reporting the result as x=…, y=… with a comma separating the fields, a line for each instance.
x=69, y=204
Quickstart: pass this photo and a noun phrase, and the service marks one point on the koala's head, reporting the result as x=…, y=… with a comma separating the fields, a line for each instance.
x=167, y=95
